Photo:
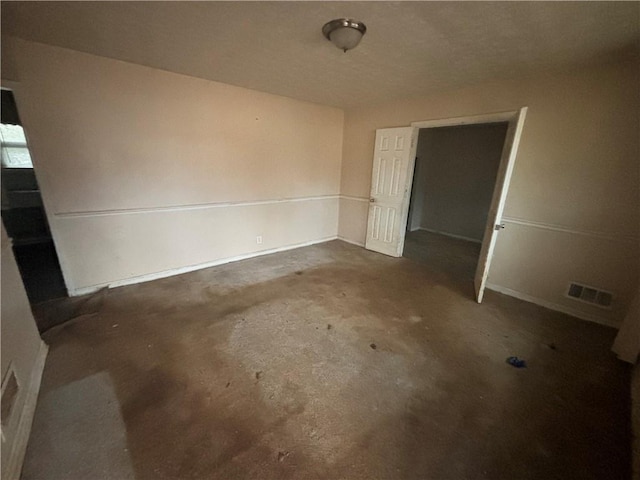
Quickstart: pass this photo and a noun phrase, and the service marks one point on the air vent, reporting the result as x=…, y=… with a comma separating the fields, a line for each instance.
x=10, y=389
x=592, y=295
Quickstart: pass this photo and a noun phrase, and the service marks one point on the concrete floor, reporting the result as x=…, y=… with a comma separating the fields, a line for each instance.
x=328, y=362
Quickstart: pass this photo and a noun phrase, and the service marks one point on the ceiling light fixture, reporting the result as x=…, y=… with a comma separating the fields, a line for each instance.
x=344, y=33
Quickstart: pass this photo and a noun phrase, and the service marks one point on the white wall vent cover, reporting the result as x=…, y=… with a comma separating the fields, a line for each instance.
x=587, y=294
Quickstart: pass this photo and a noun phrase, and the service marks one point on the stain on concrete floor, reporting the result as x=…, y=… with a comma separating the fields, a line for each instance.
x=231, y=372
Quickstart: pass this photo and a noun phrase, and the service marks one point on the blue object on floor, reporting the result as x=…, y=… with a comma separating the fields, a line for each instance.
x=516, y=362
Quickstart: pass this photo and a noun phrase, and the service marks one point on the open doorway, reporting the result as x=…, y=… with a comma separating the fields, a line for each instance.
x=23, y=214
x=453, y=183
x=392, y=180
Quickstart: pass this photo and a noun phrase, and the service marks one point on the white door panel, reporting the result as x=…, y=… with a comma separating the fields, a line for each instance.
x=511, y=142
x=393, y=164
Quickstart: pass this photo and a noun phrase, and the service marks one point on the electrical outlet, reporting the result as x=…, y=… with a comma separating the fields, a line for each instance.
x=259, y=239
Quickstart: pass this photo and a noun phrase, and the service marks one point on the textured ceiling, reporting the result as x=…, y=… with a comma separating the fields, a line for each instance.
x=410, y=48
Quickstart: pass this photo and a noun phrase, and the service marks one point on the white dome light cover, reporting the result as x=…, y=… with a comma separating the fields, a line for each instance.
x=344, y=33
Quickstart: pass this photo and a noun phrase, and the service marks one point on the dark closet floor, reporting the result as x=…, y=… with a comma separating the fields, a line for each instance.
x=40, y=271
x=443, y=253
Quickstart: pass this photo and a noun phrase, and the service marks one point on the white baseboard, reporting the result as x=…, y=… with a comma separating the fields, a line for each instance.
x=352, y=242
x=21, y=438
x=554, y=306
x=452, y=235
x=75, y=292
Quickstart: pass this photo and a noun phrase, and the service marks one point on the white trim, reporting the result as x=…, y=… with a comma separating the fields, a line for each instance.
x=554, y=306
x=355, y=199
x=452, y=235
x=352, y=242
x=21, y=437
x=190, y=268
x=196, y=206
x=9, y=84
x=496, y=117
x=571, y=230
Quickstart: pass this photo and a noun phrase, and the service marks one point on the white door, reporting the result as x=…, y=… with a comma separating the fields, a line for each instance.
x=393, y=163
x=509, y=151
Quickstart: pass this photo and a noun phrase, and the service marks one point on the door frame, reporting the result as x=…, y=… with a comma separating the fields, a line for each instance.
x=15, y=87
x=515, y=119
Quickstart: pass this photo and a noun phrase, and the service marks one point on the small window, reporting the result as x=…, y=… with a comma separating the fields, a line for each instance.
x=15, y=153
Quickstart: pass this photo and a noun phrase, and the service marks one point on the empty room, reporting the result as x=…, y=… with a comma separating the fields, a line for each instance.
x=320, y=240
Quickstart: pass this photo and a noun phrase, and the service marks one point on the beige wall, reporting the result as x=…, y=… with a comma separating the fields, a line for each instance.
x=572, y=212
x=458, y=167
x=23, y=350
x=144, y=171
